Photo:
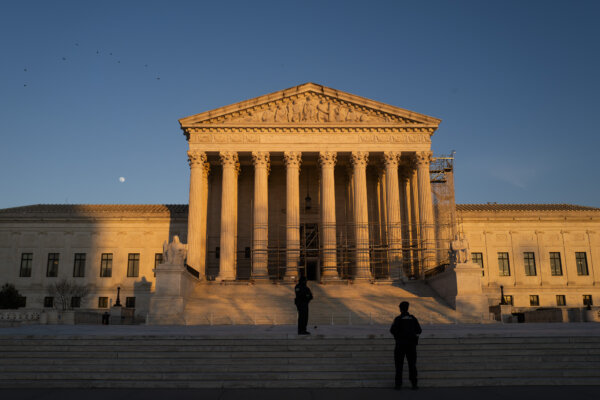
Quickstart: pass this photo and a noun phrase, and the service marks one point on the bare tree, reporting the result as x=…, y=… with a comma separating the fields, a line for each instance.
x=64, y=290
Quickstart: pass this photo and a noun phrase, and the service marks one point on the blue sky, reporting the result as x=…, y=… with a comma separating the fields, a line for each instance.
x=91, y=91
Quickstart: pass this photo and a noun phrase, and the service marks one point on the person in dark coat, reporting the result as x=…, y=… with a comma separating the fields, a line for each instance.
x=406, y=331
x=303, y=297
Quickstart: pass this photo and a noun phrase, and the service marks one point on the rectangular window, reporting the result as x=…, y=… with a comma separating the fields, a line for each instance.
x=503, y=264
x=48, y=302
x=75, y=302
x=587, y=300
x=106, y=265
x=529, y=261
x=581, y=260
x=157, y=260
x=26, y=261
x=79, y=265
x=555, y=264
x=561, y=300
x=52, y=267
x=478, y=259
x=133, y=265
x=508, y=299
x=534, y=300
x=130, y=302
x=102, y=302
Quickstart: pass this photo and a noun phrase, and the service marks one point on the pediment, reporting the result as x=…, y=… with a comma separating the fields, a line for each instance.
x=310, y=104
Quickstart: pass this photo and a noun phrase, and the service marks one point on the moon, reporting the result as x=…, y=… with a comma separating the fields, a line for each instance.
x=121, y=179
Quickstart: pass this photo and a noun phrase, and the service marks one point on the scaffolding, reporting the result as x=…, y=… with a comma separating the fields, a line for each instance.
x=414, y=257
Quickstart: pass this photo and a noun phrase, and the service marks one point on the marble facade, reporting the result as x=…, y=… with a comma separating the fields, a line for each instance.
x=270, y=174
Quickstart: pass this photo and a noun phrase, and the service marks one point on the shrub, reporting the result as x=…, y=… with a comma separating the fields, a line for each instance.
x=10, y=297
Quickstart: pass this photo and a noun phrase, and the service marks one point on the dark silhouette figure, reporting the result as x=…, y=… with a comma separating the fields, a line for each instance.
x=303, y=297
x=406, y=331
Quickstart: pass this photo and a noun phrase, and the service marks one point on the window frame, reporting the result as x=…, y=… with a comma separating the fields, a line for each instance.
x=102, y=302
x=529, y=263
x=477, y=258
x=586, y=297
x=534, y=300
x=79, y=265
x=130, y=302
x=75, y=302
x=582, y=265
x=26, y=264
x=561, y=298
x=52, y=265
x=503, y=270
x=48, y=302
x=553, y=266
x=133, y=265
x=106, y=263
x=509, y=299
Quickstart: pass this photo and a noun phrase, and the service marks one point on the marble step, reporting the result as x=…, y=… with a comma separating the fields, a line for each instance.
x=258, y=366
x=289, y=346
x=545, y=361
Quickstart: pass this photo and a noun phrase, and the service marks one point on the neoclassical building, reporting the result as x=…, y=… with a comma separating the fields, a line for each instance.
x=313, y=181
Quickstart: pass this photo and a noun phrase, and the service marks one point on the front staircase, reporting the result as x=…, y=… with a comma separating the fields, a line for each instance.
x=225, y=360
x=333, y=304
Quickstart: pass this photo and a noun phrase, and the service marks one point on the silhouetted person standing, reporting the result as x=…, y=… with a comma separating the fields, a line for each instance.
x=406, y=331
x=303, y=297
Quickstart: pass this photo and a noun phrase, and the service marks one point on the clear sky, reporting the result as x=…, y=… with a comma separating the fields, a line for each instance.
x=91, y=91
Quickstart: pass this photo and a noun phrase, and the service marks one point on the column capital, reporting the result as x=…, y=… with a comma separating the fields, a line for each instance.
x=196, y=158
x=423, y=158
x=359, y=158
x=327, y=158
x=261, y=159
x=391, y=159
x=292, y=158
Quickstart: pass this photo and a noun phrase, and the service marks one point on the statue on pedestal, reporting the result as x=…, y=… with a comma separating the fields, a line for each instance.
x=459, y=250
x=174, y=253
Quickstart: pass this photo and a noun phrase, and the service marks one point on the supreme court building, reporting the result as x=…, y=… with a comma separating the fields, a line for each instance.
x=313, y=181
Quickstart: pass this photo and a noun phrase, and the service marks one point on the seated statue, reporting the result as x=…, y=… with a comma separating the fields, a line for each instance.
x=174, y=253
x=459, y=248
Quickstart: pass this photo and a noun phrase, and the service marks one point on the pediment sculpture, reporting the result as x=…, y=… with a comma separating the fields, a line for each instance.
x=309, y=108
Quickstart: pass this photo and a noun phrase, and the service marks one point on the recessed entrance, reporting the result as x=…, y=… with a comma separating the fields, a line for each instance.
x=310, y=257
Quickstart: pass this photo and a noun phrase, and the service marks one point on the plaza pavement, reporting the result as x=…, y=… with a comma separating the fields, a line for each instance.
x=463, y=393
x=289, y=331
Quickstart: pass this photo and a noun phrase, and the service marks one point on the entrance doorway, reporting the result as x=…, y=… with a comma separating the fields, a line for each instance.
x=310, y=264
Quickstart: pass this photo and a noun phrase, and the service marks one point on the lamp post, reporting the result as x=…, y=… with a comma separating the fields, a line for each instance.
x=502, y=300
x=118, y=302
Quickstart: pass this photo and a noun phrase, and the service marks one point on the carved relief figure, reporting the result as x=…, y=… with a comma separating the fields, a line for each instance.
x=174, y=253
x=323, y=111
x=268, y=115
x=296, y=113
x=308, y=110
x=281, y=114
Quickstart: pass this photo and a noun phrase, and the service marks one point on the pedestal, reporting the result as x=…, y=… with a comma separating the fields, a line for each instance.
x=167, y=305
x=460, y=286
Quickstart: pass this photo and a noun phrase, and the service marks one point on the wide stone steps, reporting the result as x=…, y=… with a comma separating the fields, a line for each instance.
x=288, y=362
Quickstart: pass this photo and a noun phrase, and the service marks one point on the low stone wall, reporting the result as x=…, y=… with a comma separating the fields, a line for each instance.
x=19, y=317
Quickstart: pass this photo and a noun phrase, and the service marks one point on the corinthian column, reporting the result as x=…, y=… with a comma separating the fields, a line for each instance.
x=327, y=160
x=196, y=255
x=230, y=163
x=361, y=215
x=394, y=227
x=260, y=255
x=425, y=209
x=292, y=193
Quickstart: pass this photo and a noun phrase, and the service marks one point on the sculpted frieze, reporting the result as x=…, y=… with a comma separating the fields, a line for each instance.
x=307, y=137
x=309, y=108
